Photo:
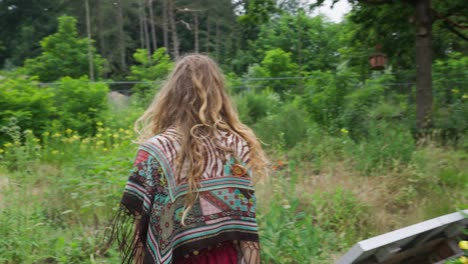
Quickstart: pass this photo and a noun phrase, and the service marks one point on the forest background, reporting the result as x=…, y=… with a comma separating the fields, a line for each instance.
x=351, y=154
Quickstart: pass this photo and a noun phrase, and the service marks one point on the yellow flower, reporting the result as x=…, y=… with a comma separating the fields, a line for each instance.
x=463, y=260
x=463, y=244
x=455, y=91
x=7, y=145
x=344, y=131
x=55, y=152
x=68, y=131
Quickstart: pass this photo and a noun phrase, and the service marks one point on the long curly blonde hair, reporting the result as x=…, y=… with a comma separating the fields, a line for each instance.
x=194, y=101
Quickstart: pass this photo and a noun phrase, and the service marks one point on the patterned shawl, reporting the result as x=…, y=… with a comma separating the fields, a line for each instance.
x=224, y=209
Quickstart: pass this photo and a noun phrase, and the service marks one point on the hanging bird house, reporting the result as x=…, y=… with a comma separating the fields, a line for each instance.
x=378, y=59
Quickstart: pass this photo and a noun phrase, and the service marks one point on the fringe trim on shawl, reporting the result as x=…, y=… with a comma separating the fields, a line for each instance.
x=129, y=231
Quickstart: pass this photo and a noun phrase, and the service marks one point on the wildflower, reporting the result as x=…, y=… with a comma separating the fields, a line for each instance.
x=463, y=244
x=7, y=145
x=55, y=152
x=455, y=91
x=344, y=131
x=463, y=260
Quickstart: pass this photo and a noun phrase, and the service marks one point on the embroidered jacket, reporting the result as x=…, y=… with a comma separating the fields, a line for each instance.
x=224, y=209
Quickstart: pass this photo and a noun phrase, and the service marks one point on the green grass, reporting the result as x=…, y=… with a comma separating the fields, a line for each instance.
x=58, y=193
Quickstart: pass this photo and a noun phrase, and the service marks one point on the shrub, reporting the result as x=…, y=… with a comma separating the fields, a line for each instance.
x=23, y=99
x=63, y=54
x=79, y=103
x=285, y=128
x=386, y=146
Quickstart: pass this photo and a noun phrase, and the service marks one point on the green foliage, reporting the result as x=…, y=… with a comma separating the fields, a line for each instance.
x=253, y=106
x=285, y=128
x=324, y=97
x=311, y=41
x=451, y=100
x=275, y=66
x=151, y=70
x=385, y=148
x=79, y=104
x=22, y=98
x=63, y=54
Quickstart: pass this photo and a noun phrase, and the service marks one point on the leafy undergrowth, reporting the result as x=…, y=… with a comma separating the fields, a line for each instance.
x=59, y=192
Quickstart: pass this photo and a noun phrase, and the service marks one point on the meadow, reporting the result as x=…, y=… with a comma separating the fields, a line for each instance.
x=59, y=189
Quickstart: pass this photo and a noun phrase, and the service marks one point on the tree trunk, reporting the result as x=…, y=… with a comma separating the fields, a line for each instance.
x=141, y=16
x=196, y=31
x=423, y=21
x=90, y=48
x=100, y=29
x=153, y=27
x=164, y=23
x=218, y=40
x=175, y=39
x=207, y=46
x=146, y=34
x=122, y=46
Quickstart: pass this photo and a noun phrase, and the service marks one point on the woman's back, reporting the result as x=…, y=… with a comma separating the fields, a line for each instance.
x=191, y=188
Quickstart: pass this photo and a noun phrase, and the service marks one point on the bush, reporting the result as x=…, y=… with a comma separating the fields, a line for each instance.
x=63, y=54
x=29, y=104
x=386, y=146
x=79, y=103
x=253, y=106
x=285, y=128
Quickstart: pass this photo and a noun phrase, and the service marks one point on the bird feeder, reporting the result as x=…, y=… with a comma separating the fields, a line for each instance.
x=378, y=59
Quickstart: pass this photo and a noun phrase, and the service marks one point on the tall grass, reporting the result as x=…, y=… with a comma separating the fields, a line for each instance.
x=58, y=191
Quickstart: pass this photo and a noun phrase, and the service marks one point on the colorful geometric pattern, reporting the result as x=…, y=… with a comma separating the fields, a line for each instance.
x=224, y=209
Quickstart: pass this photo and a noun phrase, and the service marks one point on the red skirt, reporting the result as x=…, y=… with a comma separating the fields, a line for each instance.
x=226, y=253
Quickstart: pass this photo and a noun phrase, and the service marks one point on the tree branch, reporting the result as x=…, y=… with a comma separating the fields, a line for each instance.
x=448, y=20
x=456, y=32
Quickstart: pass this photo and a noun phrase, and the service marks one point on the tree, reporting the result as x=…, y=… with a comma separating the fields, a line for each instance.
x=423, y=17
x=63, y=54
x=24, y=24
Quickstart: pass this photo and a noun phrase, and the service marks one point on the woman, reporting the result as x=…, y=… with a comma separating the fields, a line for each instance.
x=191, y=191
